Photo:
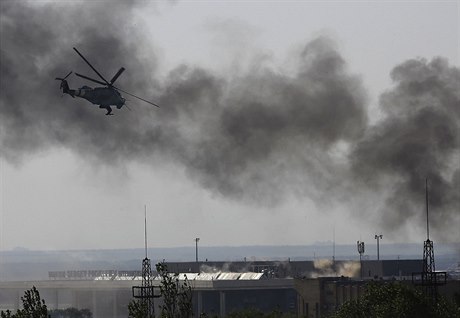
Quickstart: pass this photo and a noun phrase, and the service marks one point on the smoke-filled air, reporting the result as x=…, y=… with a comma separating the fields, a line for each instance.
x=256, y=136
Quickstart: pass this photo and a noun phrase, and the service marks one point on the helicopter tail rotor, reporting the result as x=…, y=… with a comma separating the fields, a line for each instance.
x=62, y=79
x=64, y=85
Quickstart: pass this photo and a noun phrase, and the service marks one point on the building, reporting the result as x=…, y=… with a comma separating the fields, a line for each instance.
x=310, y=288
x=108, y=295
x=390, y=268
x=319, y=297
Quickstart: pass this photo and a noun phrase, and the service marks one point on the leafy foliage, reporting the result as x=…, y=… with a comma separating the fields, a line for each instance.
x=177, y=296
x=71, y=313
x=33, y=306
x=138, y=309
x=395, y=300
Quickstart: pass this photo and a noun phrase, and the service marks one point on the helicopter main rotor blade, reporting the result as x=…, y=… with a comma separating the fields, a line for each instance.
x=114, y=78
x=144, y=100
x=68, y=75
x=90, y=79
x=87, y=62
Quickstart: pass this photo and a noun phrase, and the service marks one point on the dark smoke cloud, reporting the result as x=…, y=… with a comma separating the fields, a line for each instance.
x=248, y=137
x=418, y=139
x=252, y=136
x=255, y=137
x=37, y=43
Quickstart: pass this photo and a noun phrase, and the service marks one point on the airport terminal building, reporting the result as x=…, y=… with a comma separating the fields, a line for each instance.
x=108, y=296
x=303, y=288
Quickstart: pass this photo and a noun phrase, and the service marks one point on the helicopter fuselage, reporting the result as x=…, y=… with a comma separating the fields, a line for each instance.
x=103, y=96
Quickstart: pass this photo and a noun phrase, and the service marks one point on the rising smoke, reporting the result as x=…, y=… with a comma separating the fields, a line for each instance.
x=419, y=138
x=330, y=268
x=255, y=137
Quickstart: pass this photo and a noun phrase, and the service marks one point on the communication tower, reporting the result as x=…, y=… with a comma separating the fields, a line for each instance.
x=429, y=278
x=145, y=292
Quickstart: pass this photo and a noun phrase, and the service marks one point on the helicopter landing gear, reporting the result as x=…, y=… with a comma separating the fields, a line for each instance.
x=109, y=109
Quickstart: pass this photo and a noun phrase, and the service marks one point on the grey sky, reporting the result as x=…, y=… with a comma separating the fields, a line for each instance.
x=58, y=196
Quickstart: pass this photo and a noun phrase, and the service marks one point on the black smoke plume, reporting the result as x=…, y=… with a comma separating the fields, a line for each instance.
x=256, y=137
x=417, y=140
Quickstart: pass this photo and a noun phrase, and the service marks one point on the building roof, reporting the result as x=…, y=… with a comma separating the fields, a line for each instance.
x=192, y=276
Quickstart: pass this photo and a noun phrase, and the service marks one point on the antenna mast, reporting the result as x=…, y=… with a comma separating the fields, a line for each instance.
x=145, y=229
x=427, y=220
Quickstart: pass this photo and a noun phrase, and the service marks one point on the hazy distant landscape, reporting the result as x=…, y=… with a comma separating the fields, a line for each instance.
x=23, y=265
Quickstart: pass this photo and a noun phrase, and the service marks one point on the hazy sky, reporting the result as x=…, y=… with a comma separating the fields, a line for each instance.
x=272, y=129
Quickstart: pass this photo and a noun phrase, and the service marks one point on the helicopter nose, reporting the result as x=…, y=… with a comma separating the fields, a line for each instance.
x=122, y=103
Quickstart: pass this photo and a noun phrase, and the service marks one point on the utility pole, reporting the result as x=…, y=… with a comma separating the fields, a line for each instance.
x=361, y=252
x=378, y=238
x=333, y=246
x=196, y=248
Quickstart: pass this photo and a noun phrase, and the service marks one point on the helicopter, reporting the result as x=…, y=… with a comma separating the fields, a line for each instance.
x=106, y=96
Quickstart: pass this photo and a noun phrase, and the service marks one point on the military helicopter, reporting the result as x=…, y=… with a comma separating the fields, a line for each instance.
x=105, y=97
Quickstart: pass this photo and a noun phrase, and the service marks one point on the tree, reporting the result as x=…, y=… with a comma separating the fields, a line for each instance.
x=177, y=297
x=71, y=313
x=137, y=309
x=33, y=306
x=382, y=300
